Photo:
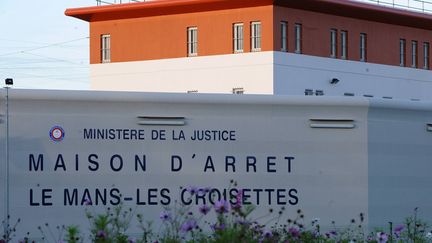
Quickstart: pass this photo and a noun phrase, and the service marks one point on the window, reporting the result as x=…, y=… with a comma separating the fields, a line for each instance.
x=402, y=48
x=192, y=41
x=414, y=54
x=238, y=91
x=256, y=36
x=284, y=40
x=333, y=42
x=298, y=39
x=238, y=37
x=344, y=44
x=106, y=48
x=363, y=46
x=426, y=55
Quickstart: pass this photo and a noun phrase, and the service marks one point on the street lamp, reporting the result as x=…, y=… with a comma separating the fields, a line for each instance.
x=9, y=82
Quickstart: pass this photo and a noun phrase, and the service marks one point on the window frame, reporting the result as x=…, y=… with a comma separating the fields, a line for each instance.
x=298, y=38
x=363, y=47
x=333, y=43
x=238, y=37
x=255, y=36
x=414, y=54
x=344, y=45
x=402, y=52
x=284, y=35
x=192, y=41
x=426, y=55
x=106, y=48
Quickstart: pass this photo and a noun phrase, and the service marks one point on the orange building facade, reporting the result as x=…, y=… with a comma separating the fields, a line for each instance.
x=382, y=46
x=161, y=37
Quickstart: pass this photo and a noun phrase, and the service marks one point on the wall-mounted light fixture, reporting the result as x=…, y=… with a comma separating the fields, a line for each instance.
x=334, y=81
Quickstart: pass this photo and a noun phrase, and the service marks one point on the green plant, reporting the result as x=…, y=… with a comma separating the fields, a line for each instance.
x=73, y=234
x=8, y=229
x=111, y=225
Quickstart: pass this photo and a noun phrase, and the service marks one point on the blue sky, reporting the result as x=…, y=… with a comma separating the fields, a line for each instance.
x=40, y=47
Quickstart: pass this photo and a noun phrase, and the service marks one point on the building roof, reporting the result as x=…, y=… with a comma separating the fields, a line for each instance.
x=158, y=7
x=363, y=11
x=344, y=8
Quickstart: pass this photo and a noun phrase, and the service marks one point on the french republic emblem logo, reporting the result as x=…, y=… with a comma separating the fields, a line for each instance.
x=57, y=133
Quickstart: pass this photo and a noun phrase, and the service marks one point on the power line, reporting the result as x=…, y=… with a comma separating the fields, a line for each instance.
x=23, y=41
x=52, y=58
x=35, y=76
x=42, y=47
x=36, y=61
x=44, y=67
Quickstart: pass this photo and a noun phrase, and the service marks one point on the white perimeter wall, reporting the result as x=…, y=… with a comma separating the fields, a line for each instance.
x=294, y=73
x=209, y=74
x=264, y=73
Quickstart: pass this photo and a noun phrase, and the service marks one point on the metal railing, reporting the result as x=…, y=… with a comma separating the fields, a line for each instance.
x=110, y=2
x=424, y=6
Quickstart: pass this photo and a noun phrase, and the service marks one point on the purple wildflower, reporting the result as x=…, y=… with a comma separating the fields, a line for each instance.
x=238, y=203
x=294, y=232
x=239, y=197
x=204, y=209
x=382, y=237
x=242, y=222
x=101, y=234
x=218, y=227
x=188, y=225
x=87, y=202
x=267, y=234
x=131, y=240
x=221, y=207
x=257, y=229
x=330, y=234
x=192, y=190
x=165, y=216
x=333, y=232
x=398, y=229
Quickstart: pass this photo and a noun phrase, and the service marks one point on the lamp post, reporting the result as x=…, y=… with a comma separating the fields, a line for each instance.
x=8, y=83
